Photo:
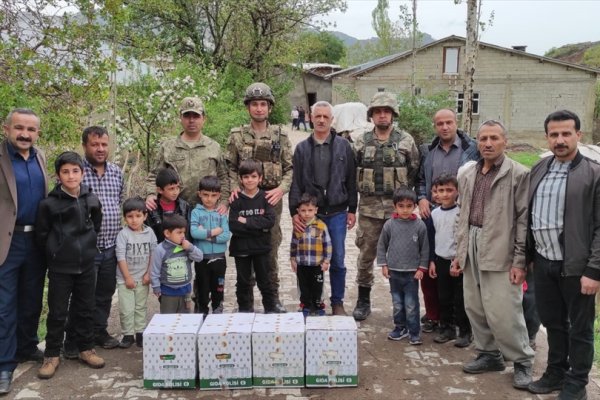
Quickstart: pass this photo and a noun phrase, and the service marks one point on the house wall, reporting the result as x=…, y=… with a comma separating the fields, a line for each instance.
x=314, y=84
x=518, y=90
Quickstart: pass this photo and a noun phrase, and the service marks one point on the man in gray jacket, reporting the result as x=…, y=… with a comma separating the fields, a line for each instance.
x=563, y=241
x=490, y=239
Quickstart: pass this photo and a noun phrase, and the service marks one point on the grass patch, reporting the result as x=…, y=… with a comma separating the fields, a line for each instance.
x=524, y=157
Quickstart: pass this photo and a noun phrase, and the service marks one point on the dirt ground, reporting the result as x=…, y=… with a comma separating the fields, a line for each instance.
x=387, y=369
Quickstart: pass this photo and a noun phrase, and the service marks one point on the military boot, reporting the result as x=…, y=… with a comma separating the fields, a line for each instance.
x=363, y=304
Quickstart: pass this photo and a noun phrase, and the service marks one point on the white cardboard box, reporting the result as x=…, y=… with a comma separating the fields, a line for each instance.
x=278, y=350
x=170, y=351
x=331, y=351
x=225, y=351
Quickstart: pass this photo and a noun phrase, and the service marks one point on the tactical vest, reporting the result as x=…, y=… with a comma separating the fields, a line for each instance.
x=267, y=150
x=382, y=167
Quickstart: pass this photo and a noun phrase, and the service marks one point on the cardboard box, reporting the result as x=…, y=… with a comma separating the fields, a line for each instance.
x=331, y=352
x=278, y=350
x=170, y=351
x=225, y=351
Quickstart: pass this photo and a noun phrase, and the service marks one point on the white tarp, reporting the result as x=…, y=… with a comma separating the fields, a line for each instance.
x=351, y=117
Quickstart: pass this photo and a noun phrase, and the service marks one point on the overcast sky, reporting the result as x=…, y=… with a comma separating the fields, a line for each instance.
x=538, y=24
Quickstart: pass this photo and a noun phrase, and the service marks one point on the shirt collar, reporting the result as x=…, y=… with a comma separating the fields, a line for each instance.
x=14, y=153
x=327, y=139
x=456, y=143
x=497, y=163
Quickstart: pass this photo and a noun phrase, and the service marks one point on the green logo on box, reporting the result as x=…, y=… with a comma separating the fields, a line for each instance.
x=167, y=357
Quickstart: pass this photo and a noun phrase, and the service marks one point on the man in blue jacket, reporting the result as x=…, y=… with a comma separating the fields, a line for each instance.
x=324, y=166
x=563, y=241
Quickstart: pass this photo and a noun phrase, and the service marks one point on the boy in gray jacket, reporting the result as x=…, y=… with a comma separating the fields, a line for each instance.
x=171, y=272
x=403, y=254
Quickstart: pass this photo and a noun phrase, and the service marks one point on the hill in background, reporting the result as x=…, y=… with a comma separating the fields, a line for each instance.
x=585, y=53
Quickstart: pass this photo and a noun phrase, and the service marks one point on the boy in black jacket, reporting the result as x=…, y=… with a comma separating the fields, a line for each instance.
x=251, y=218
x=66, y=228
x=168, y=202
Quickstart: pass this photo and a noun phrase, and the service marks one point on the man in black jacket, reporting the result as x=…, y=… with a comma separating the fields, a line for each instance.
x=324, y=166
x=563, y=241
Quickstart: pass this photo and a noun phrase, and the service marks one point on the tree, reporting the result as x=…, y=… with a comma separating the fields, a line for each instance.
x=254, y=34
x=320, y=47
x=392, y=36
x=471, y=47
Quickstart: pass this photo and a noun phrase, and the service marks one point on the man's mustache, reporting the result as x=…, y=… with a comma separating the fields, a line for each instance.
x=24, y=139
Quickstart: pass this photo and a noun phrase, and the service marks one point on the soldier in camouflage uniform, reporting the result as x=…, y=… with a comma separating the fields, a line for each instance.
x=387, y=158
x=193, y=155
x=270, y=145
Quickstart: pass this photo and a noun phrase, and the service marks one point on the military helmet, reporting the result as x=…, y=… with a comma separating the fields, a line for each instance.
x=383, y=99
x=259, y=91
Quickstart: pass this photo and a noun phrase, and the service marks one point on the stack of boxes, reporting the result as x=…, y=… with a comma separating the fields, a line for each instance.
x=236, y=351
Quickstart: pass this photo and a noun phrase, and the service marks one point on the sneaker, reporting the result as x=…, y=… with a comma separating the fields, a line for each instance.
x=415, y=341
x=70, y=350
x=90, y=358
x=463, y=340
x=49, y=367
x=398, y=334
x=139, y=339
x=306, y=312
x=106, y=341
x=321, y=312
x=126, y=342
x=522, y=376
x=338, y=309
x=485, y=362
x=548, y=383
x=447, y=334
x=429, y=326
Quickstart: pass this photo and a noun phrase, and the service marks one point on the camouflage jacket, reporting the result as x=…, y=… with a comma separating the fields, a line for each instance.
x=192, y=161
x=276, y=156
x=381, y=206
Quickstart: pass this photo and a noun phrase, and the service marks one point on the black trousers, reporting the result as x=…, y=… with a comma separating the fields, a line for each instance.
x=310, y=282
x=450, y=294
x=568, y=317
x=532, y=319
x=210, y=283
x=245, y=266
x=79, y=289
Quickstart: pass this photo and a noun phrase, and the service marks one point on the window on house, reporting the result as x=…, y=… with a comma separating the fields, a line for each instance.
x=451, y=55
x=474, y=101
x=417, y=91
x=381, y=89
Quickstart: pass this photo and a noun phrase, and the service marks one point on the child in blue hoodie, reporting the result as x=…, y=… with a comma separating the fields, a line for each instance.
x=210, y=232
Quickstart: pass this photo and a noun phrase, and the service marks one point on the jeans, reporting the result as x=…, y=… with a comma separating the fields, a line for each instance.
x=337, y=226
x=568, y=317
x=79, y=288
x=405, y=298
x=21, y=289
x=106, y=283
